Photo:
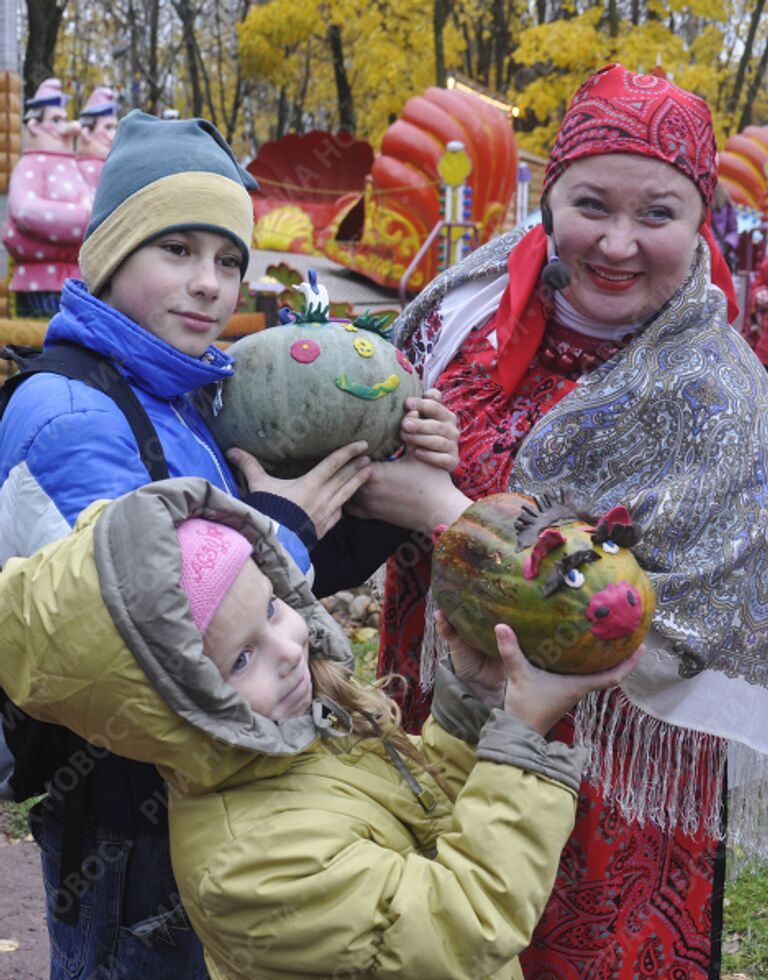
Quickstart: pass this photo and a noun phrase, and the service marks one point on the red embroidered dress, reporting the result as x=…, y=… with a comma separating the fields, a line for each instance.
x=630, y=902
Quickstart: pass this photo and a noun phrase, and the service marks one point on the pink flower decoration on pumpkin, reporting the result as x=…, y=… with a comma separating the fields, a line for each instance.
x=403, y=361
x=305, y=351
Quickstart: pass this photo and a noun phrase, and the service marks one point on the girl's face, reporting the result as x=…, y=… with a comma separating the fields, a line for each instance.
x=261, y=647
x=626, y=226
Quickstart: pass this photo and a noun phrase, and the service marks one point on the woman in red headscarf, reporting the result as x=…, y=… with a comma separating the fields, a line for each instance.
x=593, y=354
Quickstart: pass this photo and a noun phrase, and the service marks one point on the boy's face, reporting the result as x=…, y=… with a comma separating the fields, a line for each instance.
x=261, y=647
x=182, y=287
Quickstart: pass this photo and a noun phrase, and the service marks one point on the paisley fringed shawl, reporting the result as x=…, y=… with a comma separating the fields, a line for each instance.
x=675, y=427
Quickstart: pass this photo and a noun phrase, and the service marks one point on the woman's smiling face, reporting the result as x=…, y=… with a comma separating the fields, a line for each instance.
x=626, y=226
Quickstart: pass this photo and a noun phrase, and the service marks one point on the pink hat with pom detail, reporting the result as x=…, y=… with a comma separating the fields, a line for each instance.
x=212, y=556
x=49, y=92
x=101, y=102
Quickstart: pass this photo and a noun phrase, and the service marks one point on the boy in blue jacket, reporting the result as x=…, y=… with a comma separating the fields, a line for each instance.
x=163, y=258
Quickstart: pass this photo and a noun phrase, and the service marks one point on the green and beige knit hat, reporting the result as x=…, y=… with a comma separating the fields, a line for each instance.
x=164, y=175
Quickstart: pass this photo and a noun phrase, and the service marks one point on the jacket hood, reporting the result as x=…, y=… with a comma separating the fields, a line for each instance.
x=144, y=359
x=96, y=634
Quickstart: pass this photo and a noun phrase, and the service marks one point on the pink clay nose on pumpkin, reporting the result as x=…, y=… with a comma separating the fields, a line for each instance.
x=616, y=611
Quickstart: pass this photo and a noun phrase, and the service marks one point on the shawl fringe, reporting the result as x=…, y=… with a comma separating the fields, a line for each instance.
x=673, y=777
x=657, y=773
x=433, y=648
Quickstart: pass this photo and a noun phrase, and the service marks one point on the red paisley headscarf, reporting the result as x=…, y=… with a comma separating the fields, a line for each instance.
x=619, y=111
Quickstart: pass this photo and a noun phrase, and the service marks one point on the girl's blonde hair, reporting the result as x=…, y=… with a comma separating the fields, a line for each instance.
x=372, y=711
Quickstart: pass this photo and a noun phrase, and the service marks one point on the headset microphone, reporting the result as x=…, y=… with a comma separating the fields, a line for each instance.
x=555, y=274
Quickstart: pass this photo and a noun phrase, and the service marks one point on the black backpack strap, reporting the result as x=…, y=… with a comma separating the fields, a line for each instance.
x=81, y=364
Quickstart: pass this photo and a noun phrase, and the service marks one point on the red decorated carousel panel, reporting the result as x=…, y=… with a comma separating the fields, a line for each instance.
x=327, y=193
x=402, y=200
x=304, y=181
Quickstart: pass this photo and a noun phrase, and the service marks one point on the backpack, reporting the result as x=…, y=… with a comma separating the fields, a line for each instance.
x=31, y=752
x=34, y=753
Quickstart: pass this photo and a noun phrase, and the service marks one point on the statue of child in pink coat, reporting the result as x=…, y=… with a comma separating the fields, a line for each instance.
x=49, y=204
x=98, y=125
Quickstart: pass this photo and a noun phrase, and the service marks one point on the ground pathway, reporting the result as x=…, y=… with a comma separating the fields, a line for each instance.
x=23, y=936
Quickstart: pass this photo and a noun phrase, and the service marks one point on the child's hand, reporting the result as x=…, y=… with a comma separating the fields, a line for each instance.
x=322, y=492
x=540, y=698
x=485, y=677
x=429, y=431
x=537, y=697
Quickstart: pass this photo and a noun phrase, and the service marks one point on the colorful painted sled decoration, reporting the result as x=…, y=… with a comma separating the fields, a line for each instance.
x=308, y=387
x=572, y=591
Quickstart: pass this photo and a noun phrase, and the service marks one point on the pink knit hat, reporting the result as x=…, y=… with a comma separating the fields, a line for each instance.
x=211, y=558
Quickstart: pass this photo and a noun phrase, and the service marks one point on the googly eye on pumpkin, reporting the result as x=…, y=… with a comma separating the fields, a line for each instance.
x=610, y=547
x=574, y=579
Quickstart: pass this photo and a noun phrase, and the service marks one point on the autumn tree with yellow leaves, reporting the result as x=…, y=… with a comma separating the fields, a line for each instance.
x=261, y=69
x=707, y=46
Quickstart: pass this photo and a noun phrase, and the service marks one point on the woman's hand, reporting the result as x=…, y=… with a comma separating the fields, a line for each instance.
x=322, y=492
x=416, y=490
x=429, y=430
x=537, y=697
x=410, y=493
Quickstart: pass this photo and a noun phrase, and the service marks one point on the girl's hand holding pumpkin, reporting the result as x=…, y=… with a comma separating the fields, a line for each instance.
x=537, y=697
x=483, y=676
x=322, y=492
x=541, y=698
x=430, y=431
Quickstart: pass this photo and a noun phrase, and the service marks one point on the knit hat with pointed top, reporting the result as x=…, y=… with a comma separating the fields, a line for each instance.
x=164, y=175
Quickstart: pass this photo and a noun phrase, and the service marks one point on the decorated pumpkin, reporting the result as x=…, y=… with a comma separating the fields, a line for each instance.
x=310, y=386
x=572, y=591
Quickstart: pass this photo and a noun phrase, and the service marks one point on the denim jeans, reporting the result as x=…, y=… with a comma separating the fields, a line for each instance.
x=131, y=923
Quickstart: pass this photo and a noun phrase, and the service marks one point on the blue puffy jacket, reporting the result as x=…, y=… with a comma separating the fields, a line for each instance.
x=64, y=444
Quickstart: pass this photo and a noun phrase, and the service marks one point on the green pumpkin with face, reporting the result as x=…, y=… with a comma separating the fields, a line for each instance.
x=308, y=387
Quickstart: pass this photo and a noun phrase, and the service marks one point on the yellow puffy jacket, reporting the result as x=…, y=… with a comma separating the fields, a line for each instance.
x=298, y=852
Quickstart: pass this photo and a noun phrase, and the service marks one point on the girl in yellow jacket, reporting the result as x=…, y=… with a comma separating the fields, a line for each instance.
x=310, y=837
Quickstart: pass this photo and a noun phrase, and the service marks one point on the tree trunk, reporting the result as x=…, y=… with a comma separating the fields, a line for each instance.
x=754, y=87
x=153, y=74
x=343, y=88
x=741, y=72
x=501, y=39
x=44, y=18
x=439, y=18
x=613, y=18
x=186, y=15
